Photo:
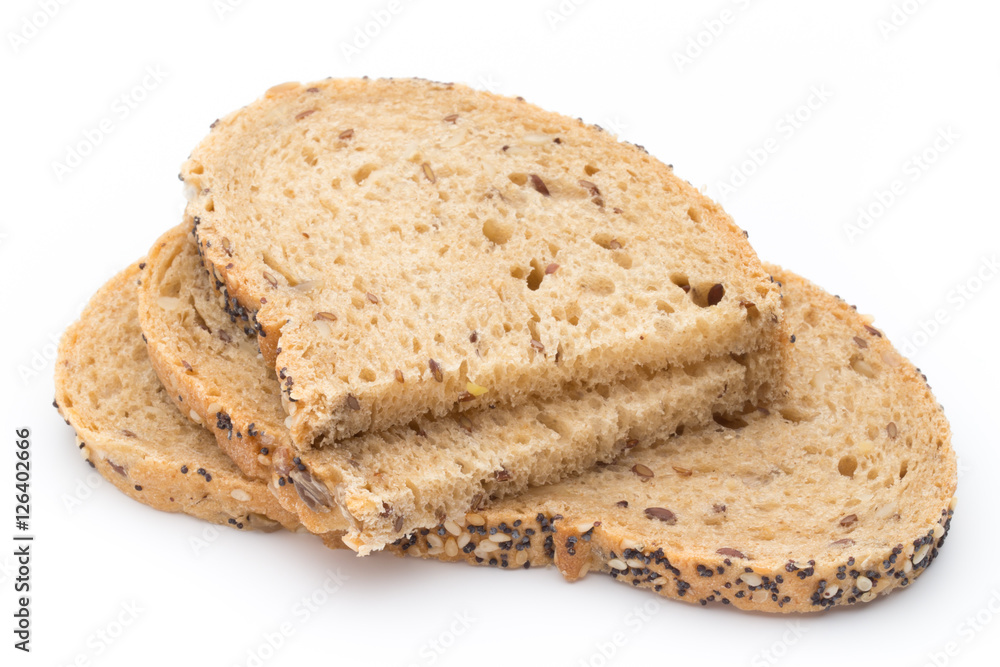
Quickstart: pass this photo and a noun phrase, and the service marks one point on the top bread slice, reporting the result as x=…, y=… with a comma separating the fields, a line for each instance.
x=840, y=491
x=404, y=247
x=381, y=485
x=129, y=430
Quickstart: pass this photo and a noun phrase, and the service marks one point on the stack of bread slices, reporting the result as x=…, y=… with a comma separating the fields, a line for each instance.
x=411, y=316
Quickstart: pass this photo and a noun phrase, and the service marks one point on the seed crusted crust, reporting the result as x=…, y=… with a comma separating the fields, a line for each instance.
x=264, y=296
x=134, y=437
x=507, y=541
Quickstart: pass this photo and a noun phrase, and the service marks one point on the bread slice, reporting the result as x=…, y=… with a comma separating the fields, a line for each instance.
x=129, y=430
x=380, y=486
x=839, y=492
x=764, y=517
x=405, y=247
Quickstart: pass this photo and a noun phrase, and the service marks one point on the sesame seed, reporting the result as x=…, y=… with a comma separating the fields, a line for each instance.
x=617, y=564
x=451, y=547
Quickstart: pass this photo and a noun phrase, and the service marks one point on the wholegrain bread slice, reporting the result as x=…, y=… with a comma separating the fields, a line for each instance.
x=380, y=486
x=839, y=492
x=765, y=517
x=405, y=247
x=129, y=430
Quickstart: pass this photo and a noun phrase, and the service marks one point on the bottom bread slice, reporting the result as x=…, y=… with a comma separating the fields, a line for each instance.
x=129, y=430
x=838, y=493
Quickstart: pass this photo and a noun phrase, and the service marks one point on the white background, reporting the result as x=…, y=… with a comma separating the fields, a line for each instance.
x=885, y=93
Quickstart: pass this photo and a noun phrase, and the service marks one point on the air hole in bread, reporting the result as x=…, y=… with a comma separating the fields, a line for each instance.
x=309, y=155
x=363, y=173
x=518, y=178
x=847, y=465
x=367, y=375
x=707, y=294
x=694, y=213
x=497, y=232
x=607, y=241
x=794, y=414
x=536, y=275
x=732, y=422
x=622, y=259
x=664, y=307
x=599, y=285
x=552, y=422
x=681, y=281
x=279, y=268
